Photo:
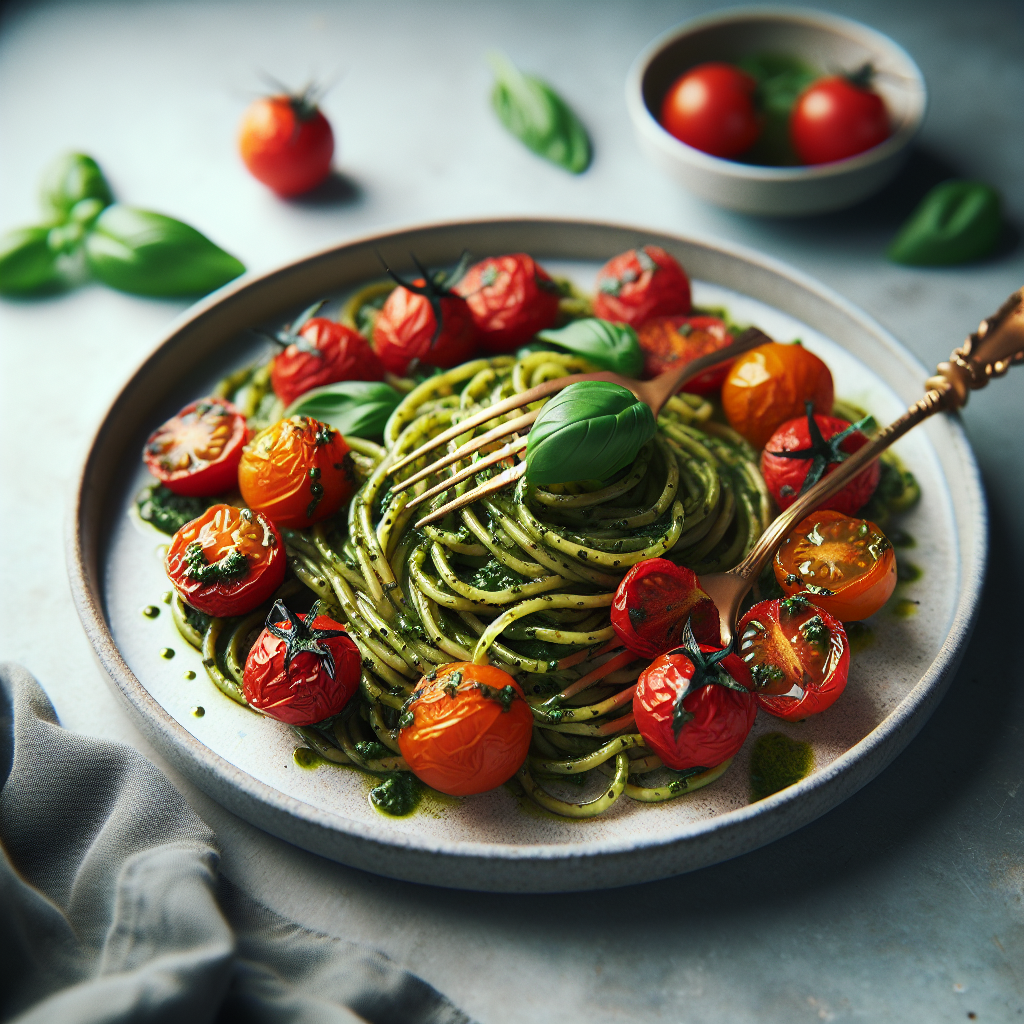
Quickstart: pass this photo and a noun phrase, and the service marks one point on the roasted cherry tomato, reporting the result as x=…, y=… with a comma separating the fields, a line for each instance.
x=296, y=472
x=511, y=298
x=466, y=729
x=196, y=453
x=640, y=284
x=846, y=566
x=653, y=603
x=798, y=656
x=323, y=352
x=804, y=450
x=836, y=118
x=302, y=668
x=711, y=108
x=710, y=723
x=286, y=143
x=670, y=341
x=771, y=384
x=226, y=562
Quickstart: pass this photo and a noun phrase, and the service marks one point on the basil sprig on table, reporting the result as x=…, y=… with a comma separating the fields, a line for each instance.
x=589, y=431
x=956, y=222
x=128, y=249
x=358, y=408
x=609, y=345
x=536, y=115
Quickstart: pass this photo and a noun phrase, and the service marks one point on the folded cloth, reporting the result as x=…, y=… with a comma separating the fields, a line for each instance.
x=111, y=909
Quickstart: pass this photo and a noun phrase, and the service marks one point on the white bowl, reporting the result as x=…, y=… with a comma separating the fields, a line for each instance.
x=825, y=41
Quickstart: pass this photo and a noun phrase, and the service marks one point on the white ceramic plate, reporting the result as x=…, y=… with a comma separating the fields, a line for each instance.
x=491, y=842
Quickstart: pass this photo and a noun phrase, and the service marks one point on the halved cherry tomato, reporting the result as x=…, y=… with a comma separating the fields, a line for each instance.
x=226, y=562
x=196, y=453
x=836, y=118
x=671, y=341
x=846, y=566
x=296, y=472
x=815, y=446
x=423, y=322
x=511, y=298
x=711, y=108
x=302, y=668
x=715, y=716
x=653, y=603
x=639, y=284
x=798, y=656
x=771, y=384
x=466, y=729
x=323, y=352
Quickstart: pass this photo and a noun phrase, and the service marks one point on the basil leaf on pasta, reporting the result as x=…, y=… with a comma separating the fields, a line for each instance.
x=356, y=408
x=608, y=345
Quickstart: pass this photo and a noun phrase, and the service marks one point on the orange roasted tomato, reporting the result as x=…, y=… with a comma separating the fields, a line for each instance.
x=639, y=284
x=797, y=654
x=771, y=384
x=466, y=729
x=302, y=668
x=226, y=562
x=846, y=566
x=296, y=472
x=671, y=341
x=196, y=453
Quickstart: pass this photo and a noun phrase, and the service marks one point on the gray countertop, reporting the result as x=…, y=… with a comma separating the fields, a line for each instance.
x=902, y=904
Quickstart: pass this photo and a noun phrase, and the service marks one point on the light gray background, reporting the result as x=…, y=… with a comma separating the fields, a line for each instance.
x=905, y=903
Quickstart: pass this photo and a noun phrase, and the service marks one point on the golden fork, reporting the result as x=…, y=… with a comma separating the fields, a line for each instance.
x=654, y=393
x=996, y=345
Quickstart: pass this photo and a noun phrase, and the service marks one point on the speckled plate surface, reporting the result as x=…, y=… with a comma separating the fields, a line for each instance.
x=491, y=842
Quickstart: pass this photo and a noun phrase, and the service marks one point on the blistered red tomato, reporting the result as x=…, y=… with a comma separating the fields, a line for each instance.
x=287, y=143
x=771, y=384
x=846, y=566
x=226, y=562
x=668, y=342
x=511, y=298
x=711, y=108
x=711, y=720
x=639, y=284
x=467, y=729
x=303, y=668
x=196, y=453
x=797, y=654
x=836, y=118
x=323, y=352
x=805, y=449
x=296, y=472
x=653, y=603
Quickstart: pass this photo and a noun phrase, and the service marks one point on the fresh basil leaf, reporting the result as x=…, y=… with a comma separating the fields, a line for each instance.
x=608, y=345
x=589, y=431
x=149, y=254
x=536, y=115
x=28, y=263
x=70, y=179
x=956, y=222
x=780, y=80
x=356, y=407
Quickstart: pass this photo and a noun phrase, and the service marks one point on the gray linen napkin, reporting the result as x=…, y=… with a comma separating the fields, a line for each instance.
x=111, y=909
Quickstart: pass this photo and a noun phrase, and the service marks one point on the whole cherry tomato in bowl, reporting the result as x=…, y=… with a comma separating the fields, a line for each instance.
x=639, y=284
x=466, y=728
x=287, y=143
x=668, y=341
x=837, y=118
x=711, y=108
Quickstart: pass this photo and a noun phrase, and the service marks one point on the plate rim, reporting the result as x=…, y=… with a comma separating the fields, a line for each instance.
x=314, y=828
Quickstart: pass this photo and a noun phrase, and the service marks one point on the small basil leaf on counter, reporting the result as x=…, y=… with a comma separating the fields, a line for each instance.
x=956, y=222
x=149, y=254
x=29, y=265
x=70, y=179
x=536, y=115
x=589, y=431
x=358, y=408
x=608, y=345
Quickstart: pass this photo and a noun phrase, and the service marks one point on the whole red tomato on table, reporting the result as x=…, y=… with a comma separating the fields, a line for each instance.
x=639, y=284
x=838, y=117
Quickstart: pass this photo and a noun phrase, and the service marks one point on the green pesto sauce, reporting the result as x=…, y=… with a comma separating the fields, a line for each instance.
x=860, y=635
x=151, y=611
x=167, y=511
x=904, y=608
x=167, y=653
x=198, y=712
x=899, y=538
x=397, y=795
x=189, y=674
x=777, y=762
x=166, y=596
x=306, y=758
x=907, y=572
